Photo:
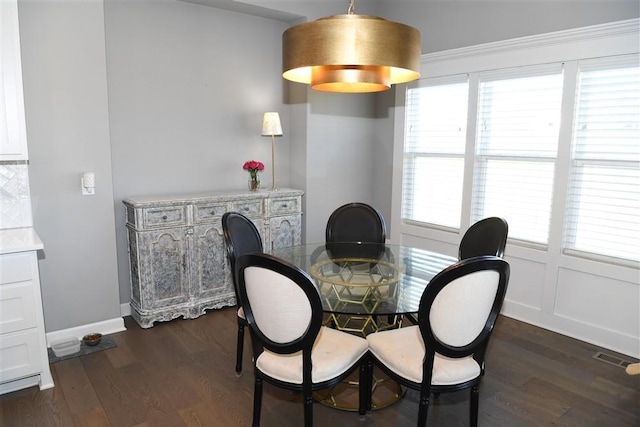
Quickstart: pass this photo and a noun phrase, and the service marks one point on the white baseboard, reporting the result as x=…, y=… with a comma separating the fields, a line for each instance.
x=104, y=327
x=12, y=386
x=612, y=340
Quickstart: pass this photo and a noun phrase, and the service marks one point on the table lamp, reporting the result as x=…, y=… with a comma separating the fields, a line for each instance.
x=271, y=127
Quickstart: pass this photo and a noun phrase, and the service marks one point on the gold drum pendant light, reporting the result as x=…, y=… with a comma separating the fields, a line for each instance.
x=351, y=53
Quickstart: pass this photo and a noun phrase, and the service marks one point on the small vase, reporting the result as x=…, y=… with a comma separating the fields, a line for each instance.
x=254, y=182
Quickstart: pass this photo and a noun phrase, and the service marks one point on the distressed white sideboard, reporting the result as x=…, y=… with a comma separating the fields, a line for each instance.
x=177, y=254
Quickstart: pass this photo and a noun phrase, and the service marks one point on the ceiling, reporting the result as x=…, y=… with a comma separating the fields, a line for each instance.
x=249, y=9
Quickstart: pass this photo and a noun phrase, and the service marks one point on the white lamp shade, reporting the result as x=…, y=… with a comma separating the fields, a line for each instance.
x=271, y=124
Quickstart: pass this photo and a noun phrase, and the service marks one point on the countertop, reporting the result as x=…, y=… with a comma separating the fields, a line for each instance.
x=23, y=239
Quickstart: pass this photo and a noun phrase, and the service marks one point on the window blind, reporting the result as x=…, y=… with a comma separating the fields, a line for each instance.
x=435, y=138
x=603, y=212
x=516, y=146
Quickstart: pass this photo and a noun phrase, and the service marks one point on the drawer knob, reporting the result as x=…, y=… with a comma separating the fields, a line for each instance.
x=285, y=205
x=212, y=213
x=164, y=217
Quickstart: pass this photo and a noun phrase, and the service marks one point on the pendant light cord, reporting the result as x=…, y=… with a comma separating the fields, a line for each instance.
x=352, y=7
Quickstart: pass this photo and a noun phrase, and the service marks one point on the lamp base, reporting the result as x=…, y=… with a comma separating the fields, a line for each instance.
x=273, y=164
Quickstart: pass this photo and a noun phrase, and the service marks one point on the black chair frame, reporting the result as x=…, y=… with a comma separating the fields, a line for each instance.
x=304, y=344
x=230, y=220
x=433, y=345
x=357, y=230
x=485, y=237
x=364, y=211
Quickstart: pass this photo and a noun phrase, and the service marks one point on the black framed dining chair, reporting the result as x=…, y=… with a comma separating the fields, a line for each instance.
x=356, y=222
x=445, y=352
x=357, y=230
x=241, y=237
x=351, y=225
x=486, y=237
x=291, y=348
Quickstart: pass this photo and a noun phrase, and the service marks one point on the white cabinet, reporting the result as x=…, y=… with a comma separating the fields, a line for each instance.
x=13, y=133
x=177, y=255
x=23, y=347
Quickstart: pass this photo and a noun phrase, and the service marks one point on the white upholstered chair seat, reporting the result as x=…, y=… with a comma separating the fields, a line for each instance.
x=333, y=353
x=402, y=351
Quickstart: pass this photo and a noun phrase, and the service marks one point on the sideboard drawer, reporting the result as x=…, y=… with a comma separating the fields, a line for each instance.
x=284, y=206
x=208, y=212
x=247, y=207
x=164, y=216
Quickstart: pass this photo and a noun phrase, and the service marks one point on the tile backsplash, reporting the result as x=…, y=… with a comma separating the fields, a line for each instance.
x=15, y=200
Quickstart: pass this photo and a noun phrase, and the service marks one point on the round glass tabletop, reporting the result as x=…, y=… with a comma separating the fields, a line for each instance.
x=367, y=278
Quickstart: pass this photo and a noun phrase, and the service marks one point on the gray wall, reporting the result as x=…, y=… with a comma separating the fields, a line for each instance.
x=167, y=97
x=453, y=24
x=340, y=153
x=383, y=155
x=188, y=85
x=65, y=91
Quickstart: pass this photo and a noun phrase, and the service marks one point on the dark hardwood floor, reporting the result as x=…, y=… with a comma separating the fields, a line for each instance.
x=181, y=373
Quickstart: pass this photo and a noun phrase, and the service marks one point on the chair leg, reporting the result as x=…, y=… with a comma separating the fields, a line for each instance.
x=308, y=410
x=363, y=394
x=413, y=319
x=423, y=408
x=369, y=385
x=240, y=347
x=474, y=403
x=257, y=402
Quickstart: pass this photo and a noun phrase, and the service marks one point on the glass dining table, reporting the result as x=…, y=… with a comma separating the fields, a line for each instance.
x=366, y=288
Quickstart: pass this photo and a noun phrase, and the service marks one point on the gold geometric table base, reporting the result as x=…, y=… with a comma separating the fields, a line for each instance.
x=344, y=396
x=364, y=324
x=350, y=285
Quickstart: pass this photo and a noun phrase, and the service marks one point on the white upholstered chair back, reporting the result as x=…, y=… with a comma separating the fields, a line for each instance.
x=459, y=312
x=281, y=309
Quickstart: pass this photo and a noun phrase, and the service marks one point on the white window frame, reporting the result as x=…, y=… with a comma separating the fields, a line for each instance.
x=567, y=47
x=614, y=162
x=436, y=150
x=535, y=156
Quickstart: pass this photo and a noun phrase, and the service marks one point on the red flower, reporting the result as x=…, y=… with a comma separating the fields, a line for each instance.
x=253, y=166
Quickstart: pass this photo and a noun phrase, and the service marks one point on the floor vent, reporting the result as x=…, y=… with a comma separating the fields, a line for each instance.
x=611, y=360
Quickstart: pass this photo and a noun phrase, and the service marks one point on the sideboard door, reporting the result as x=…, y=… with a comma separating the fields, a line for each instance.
x=284, y=231
x=210, y=273
x=163, y=277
